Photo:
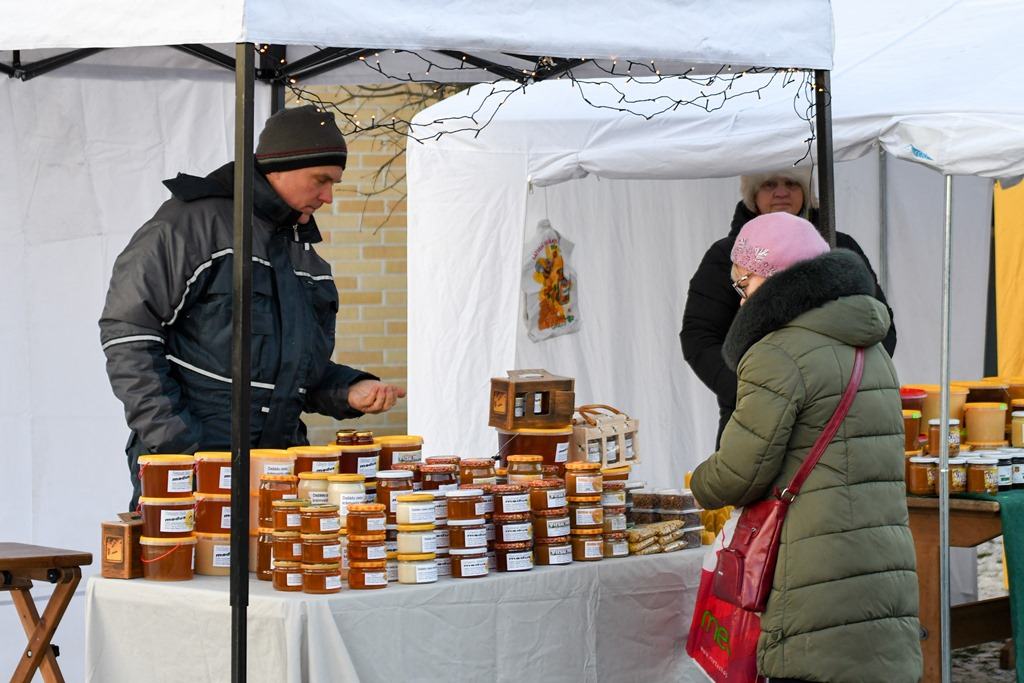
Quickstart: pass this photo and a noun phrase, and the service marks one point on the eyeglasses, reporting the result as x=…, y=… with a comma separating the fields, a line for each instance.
x=740, y=290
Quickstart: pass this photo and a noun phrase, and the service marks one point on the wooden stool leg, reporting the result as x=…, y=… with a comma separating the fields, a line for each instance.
x=40, y=630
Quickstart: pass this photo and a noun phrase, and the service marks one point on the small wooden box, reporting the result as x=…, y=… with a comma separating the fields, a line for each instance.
x=121, y=549
x=605, y=435
x=533, y=399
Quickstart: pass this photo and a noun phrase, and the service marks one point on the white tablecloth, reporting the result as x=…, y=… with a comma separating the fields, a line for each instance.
x=614, y=620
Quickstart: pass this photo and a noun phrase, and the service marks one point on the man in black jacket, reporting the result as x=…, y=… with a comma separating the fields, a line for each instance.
x=166, y=326
x=712, y=302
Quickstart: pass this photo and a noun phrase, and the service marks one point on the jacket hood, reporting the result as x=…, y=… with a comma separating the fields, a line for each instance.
x=266, y=202
x=831, y=294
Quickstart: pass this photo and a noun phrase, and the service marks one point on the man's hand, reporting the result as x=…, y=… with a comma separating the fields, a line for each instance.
x=373, y=396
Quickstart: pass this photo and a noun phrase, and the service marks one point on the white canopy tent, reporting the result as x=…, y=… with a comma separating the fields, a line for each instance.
x=82, y=151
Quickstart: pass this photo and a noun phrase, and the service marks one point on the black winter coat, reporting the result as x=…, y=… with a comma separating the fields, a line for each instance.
x=711, y=306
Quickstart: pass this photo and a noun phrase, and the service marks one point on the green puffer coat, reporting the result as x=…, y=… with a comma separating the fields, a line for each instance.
x=843, y=607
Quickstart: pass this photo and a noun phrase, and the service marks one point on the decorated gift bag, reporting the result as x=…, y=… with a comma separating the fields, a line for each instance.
x=723, y=638
x=549, y=285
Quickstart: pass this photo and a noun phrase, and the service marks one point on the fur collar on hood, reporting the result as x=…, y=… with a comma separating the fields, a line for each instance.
x=800, y=288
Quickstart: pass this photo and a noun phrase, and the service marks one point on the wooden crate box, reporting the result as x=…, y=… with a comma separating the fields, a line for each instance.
x=531, y=399
x=603, y=434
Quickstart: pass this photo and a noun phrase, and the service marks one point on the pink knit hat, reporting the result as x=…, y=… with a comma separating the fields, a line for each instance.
x=775, y=241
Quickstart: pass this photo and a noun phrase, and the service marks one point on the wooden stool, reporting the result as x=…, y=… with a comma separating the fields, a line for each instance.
x=19, y=565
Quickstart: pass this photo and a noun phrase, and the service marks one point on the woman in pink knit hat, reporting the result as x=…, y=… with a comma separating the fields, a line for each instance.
x=844, y=601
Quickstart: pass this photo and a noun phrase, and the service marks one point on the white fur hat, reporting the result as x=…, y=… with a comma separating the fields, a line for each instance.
x=749, y=185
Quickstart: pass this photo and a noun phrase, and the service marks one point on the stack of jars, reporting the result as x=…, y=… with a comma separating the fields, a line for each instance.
x=584, y=485
x=276, y=462
x=282, y=489
x=513, y=528
x=167, y=507
x=213, y=513
x=320, y=533
x=416, y=541
x=467, y=533
x=551, y=528
x=613, y=502
x=366, y=548
x=360, y=453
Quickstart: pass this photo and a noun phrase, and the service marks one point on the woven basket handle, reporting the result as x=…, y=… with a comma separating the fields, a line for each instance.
x=592, y=410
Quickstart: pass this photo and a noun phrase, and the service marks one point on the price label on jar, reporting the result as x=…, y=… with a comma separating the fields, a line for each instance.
x=556, y=499
x=516, y=532
x=225, y=477
x=562, y=452
x=179, y=481
x=559, y=526
x=328, y=466
x=586, y=484
x=367, y=466
x=517, y=562
x=560, y=554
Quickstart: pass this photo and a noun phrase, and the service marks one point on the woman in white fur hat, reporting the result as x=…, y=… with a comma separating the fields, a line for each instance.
x=711, y=303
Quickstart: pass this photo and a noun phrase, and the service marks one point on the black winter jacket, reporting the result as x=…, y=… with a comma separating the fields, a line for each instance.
x=167, y=324
x=711, y=305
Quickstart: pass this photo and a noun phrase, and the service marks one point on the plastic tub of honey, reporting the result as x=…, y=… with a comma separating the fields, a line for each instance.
x=551, y=444
x=985, y=391
x=985, y=422
x=213, y=472
x=930, y=407
x=166, y=476
x=399, y=448
x=167, y=559
x=316, y=458
x=213, y=554
x=167, y=517
x=276, y=461
x=359, y=459
x=213, y=513
x=912, y=397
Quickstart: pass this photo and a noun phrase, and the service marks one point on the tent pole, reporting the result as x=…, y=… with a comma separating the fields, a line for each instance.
x=944, y=626
x=883, y=218
x=241, y=354
x=826, y=178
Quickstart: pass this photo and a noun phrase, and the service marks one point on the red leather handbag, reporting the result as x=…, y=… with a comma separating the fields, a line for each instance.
x=746, y=567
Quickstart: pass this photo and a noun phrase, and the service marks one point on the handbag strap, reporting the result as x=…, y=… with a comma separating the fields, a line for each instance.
x=830, y=429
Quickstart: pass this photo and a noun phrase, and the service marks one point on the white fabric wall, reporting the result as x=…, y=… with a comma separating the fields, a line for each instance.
x=81, y=162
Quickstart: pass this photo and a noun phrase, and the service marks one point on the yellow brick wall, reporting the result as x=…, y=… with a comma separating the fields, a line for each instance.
x=364, y=235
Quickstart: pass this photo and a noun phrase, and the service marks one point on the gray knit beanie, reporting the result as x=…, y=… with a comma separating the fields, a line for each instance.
x=299, y=138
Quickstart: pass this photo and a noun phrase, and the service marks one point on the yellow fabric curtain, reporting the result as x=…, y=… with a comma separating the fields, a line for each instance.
x=1009, y=256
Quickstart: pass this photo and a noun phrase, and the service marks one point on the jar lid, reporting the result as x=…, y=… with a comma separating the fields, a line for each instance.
x=317, y=537
x=275, y=453
x=924, y=459
x=214, y=537
x=1017, y=413
x=364, y=434
x=957, y=461
x=394, y=474
x=263, y=530
x=514, y=545
x=511, y=517
x=463, y=493
x=307, y=508
x=154, y=540
x=318, y=476
x=621, y=510
x=416, y=557
x=911, y=413
x=477, y=462
x=551, y=512
x=367, y=537
x=279, y=477
x=501, y=471
x=331, y=449
x=614, y=486
x=414, y=497
x=346, y=477
x=286, y=564
x=585, y=532
x=213, y=455
x=416, y=527
x=325, y=567
x=368, y=564
x=983, y=461
x=527, y=431
x=584, y=499
x=938, y=421
x=467, y=551
x=407, y=466
x=437, y=468
x=486, y=489
x=555, y=540
x=167, y=459
x=366, y=507
x=616, y=471
x=985, y=406
x=221, y=497
x=908, y=391
x=289, y=503
x=525, y=458
x=615, y=535
x=187, y=500
x=582, y=466
x=499, y=489
x=478, y=521
x=545, y=483
x=401, y=440
x=442, y=460
x=359, y=448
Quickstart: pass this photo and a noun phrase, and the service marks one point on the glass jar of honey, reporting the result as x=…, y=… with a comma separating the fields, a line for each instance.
x=487, y=495
x=616, y=545
x=313, y=487
x=468, y=563
x=552, y=551
x=983, y=475
x=400, y=448
x=922, y=474
x=359, y=458
x=614, y=519
x=368, y=575
x=287, y=515
x=414, y=568
x=511, y=499
x=465, y=504
x=344, y=490
x=547, y=494
x=524, y=468
x=265, y=554
x=345, y=437
x=552, y=523
x=513, y=556
x=321, y=459
x=390, y=485
x=439, y=477
x=614, y=494
x=512, y=528
x=414, y=467
x=477, y=471
x=583, y=478
x=957, y=475
x=415, y=508
x=467, y=533
x=366, y=518
x=366, y=547
x=287, y=546
x=1017, y=429
x=275, y=487
x=320, y=548
x=585, y=512
x=587, y=545
x=938, y=429
x=287, y=576
x=415, y=539
x=321, y=578
x=320, y=519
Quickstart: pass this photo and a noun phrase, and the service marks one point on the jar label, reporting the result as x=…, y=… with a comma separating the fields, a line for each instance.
x=538, y=404
x=519, y=404
x=562, y=452
x=293, y=520
x=991, y=480
x=393, y=499
x=593, y=451
x=179, y=481
x=611, y=448
x=221, y=556
x=958, y=480
x=620, y=548
x=440, y=508
x=1005, y=475
x=367, y=466
x=618, y=522
x=420, y=513
x=556, y=499
x=392, y=571
x=481, y=508
x=629, y=447
x=290, y=496
x=476, y=538
x=441, y=538
x=593, y=549
x=330, y=523
x=293, y=579
x=585, y=484
x=375, y=578
x=297, y=549
x=391, y=546
x=516, y=502
x=174, y=521
x=511, y=533
x=329, y=466
x=444, y=566
x=344, y=556
x=370, y=497
x=332, y=551
x=517, y=562
x=473, y=566
x=225, y=477
x=225, y=517
x=489, y=528
x=613, y=498
x=429, y=543
x=318, y=497
x=407, y=456
x=417, y=486
x=447, y=487
x=559, y=554
x=558, y=526
x=332, y=582
x=279, y=469
x=345, y=499
x=589, y=516
x=1018, y=473
x=426, y=572
x=377, y=552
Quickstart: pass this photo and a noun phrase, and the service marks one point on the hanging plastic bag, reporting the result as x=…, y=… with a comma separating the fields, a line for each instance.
x=552, y=299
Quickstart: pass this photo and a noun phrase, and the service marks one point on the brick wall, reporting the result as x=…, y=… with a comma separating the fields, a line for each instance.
x=364, y=235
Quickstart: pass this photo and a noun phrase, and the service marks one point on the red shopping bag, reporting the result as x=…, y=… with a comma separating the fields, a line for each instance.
x=723, y=638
